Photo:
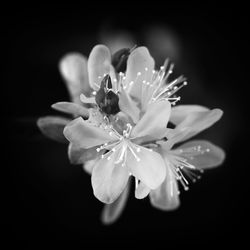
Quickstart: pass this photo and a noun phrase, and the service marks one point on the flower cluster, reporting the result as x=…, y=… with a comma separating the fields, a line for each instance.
x=121, y=110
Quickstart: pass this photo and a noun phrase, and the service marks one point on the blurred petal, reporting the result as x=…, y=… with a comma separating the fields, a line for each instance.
x=180, y=112
x=141, y=191
x=139, y=61
x=128, y=106
x=87, y=100
x=99, y=64
x=148, y=167
x=71, y=108
x=208, y=155
x=79, y=155
x=73, y=68
x=109, y=179
x=111, y=212
x=84, y=135
x=52, y=127
x=88, y=166
x=166, y=196
x=154, y=122
x=193, y=124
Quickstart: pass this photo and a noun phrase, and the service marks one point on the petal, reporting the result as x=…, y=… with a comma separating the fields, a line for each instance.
x=141, y=191
x=139, y=61
x=154, y=122
x=87, y=100
x=166, y=197
x=128, y=106
x=52, y=127
x=99, y=64
x=73, y=68
x=193, y=124
x=109, y=179
x=148, y=166
x=180, y=112
x=88, y=166
x=71, y=108
x=84, y=135
x=79, y=155
x=208, y=155
x=111, y=212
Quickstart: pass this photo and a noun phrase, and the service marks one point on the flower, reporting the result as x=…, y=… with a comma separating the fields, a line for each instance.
x=121, y=155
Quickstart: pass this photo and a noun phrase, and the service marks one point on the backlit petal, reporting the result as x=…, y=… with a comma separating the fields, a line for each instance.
x=141, y=191
x=166, y=196
x=73, y=68
x=154, y=122
x=111, y=212
x=99, y=64
x=109, y=179
x=139, y=62
x=83, y=134
x=71, y=108
x=201, y=154
x=52, y=127
x=180, y=112
x=148, y=167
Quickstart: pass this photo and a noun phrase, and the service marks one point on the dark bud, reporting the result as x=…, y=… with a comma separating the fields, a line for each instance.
x=106, y=99
x=119, y=60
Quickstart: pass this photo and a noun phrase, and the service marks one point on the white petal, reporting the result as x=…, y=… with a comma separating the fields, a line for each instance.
x=180, y=112
x=71, y=108
x=208, y=156
x=166, y=196
x=109, y=179
x=73, y=68
x=139, y=61
x=141, y=191
x=111, y=212
x=83, y=134
x=148, y=166
x=88, y=166
x=154, y=122
x=52, y=127
x=99, y=64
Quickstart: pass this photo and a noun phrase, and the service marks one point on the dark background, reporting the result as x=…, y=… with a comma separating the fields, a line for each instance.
x=44, y=197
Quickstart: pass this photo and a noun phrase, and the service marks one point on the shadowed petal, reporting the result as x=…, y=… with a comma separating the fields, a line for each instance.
x=71, y=108
x=193, y=124
x=84, y=135
x=139, y=61
x=109, y=179
x=180, y=112
x=79, y=155
x=111, y=212
x=148, y=167
x=201, y=154
x=52, y=127
x=166, y=196
x=73, y=68
x=141, y=191
x=99, y=64
x=154, y=122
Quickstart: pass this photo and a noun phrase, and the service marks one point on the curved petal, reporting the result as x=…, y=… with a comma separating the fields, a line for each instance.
x=52, y=127
x=99, y=64
x=71, y=108
x=128, y=106
x=166, y=197
x=201, y=154
x=140, y=65
x=79, y=155
x=141, y=191
x=154, y=122
x=73, y=68
x=193, y=124
x=88, y=166
x=180, y=112
x=84, y=135
x=147, y=166
x=111, y=212
x=109, y=178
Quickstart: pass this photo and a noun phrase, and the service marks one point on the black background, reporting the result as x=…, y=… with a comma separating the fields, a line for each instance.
x=44, y=197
